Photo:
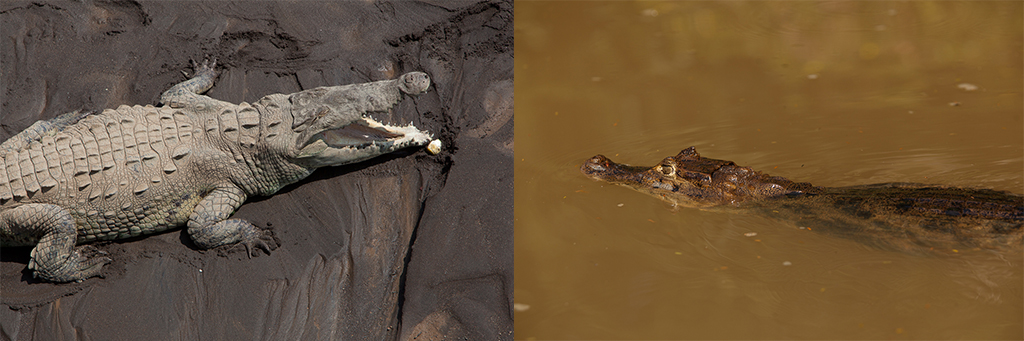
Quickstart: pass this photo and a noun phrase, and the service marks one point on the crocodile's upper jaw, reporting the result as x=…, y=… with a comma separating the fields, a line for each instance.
x=333, y=126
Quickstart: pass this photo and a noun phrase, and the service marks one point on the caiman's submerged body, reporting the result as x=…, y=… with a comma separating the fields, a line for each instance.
x=893, y=215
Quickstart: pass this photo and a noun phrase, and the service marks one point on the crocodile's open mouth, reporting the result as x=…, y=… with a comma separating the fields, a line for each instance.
x=361, y=133
x=364, y=137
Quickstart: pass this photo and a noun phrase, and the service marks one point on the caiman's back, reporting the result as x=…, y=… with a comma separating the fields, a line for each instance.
x=908, y=216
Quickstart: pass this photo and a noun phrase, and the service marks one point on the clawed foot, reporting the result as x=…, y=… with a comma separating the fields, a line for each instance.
x=181, y=94
x=207, y=67
x=259, y=240
x=229, y=234
x=84, y=262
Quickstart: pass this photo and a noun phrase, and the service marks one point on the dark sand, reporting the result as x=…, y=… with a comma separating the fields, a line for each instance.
x=409, y=246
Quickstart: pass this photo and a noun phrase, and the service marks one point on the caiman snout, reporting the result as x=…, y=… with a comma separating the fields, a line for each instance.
x=596, y=166
x=600, y=167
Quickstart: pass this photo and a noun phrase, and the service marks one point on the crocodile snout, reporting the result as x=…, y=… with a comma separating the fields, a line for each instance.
x=414, y=83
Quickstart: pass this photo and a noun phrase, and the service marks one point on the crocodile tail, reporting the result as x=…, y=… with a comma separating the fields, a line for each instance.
x=41, y=128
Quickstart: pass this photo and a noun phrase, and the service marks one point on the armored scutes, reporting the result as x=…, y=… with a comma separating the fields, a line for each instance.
x=893, y=215
x=140, y=170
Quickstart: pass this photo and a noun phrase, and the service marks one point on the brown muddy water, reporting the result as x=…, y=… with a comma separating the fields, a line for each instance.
x=835, y=94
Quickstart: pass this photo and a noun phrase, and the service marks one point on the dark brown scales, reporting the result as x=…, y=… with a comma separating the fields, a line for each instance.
x=893, y=215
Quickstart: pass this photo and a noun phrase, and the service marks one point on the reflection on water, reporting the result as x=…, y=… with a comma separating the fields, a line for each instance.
x=835, y=94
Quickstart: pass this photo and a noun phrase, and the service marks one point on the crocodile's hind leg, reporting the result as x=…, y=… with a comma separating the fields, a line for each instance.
x=54, y=257
x=209, y=227
x=187, y=92
x=41, y=128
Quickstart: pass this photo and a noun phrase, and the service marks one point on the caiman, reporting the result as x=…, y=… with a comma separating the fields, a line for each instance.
x=902, y=216
x=140, y=170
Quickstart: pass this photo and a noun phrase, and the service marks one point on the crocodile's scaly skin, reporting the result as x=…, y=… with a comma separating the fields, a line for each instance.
x=139, y=170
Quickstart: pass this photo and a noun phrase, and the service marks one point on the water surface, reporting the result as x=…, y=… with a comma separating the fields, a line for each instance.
x=835, y=94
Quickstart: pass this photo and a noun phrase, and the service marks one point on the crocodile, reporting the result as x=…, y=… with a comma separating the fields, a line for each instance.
x=901, y=216
x=190, y=162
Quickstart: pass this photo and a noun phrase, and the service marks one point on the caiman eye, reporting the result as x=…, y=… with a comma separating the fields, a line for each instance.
x=668, y=170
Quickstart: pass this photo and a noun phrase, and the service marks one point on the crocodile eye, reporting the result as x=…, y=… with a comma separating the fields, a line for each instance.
x=668, y=170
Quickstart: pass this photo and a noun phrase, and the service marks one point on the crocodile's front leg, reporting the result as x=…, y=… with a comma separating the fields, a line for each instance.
x=187, y=92
x=54, y=257
x=210, y=227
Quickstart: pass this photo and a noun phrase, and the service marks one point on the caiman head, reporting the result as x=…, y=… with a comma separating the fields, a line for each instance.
x=690, y=180
x=335, y=125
